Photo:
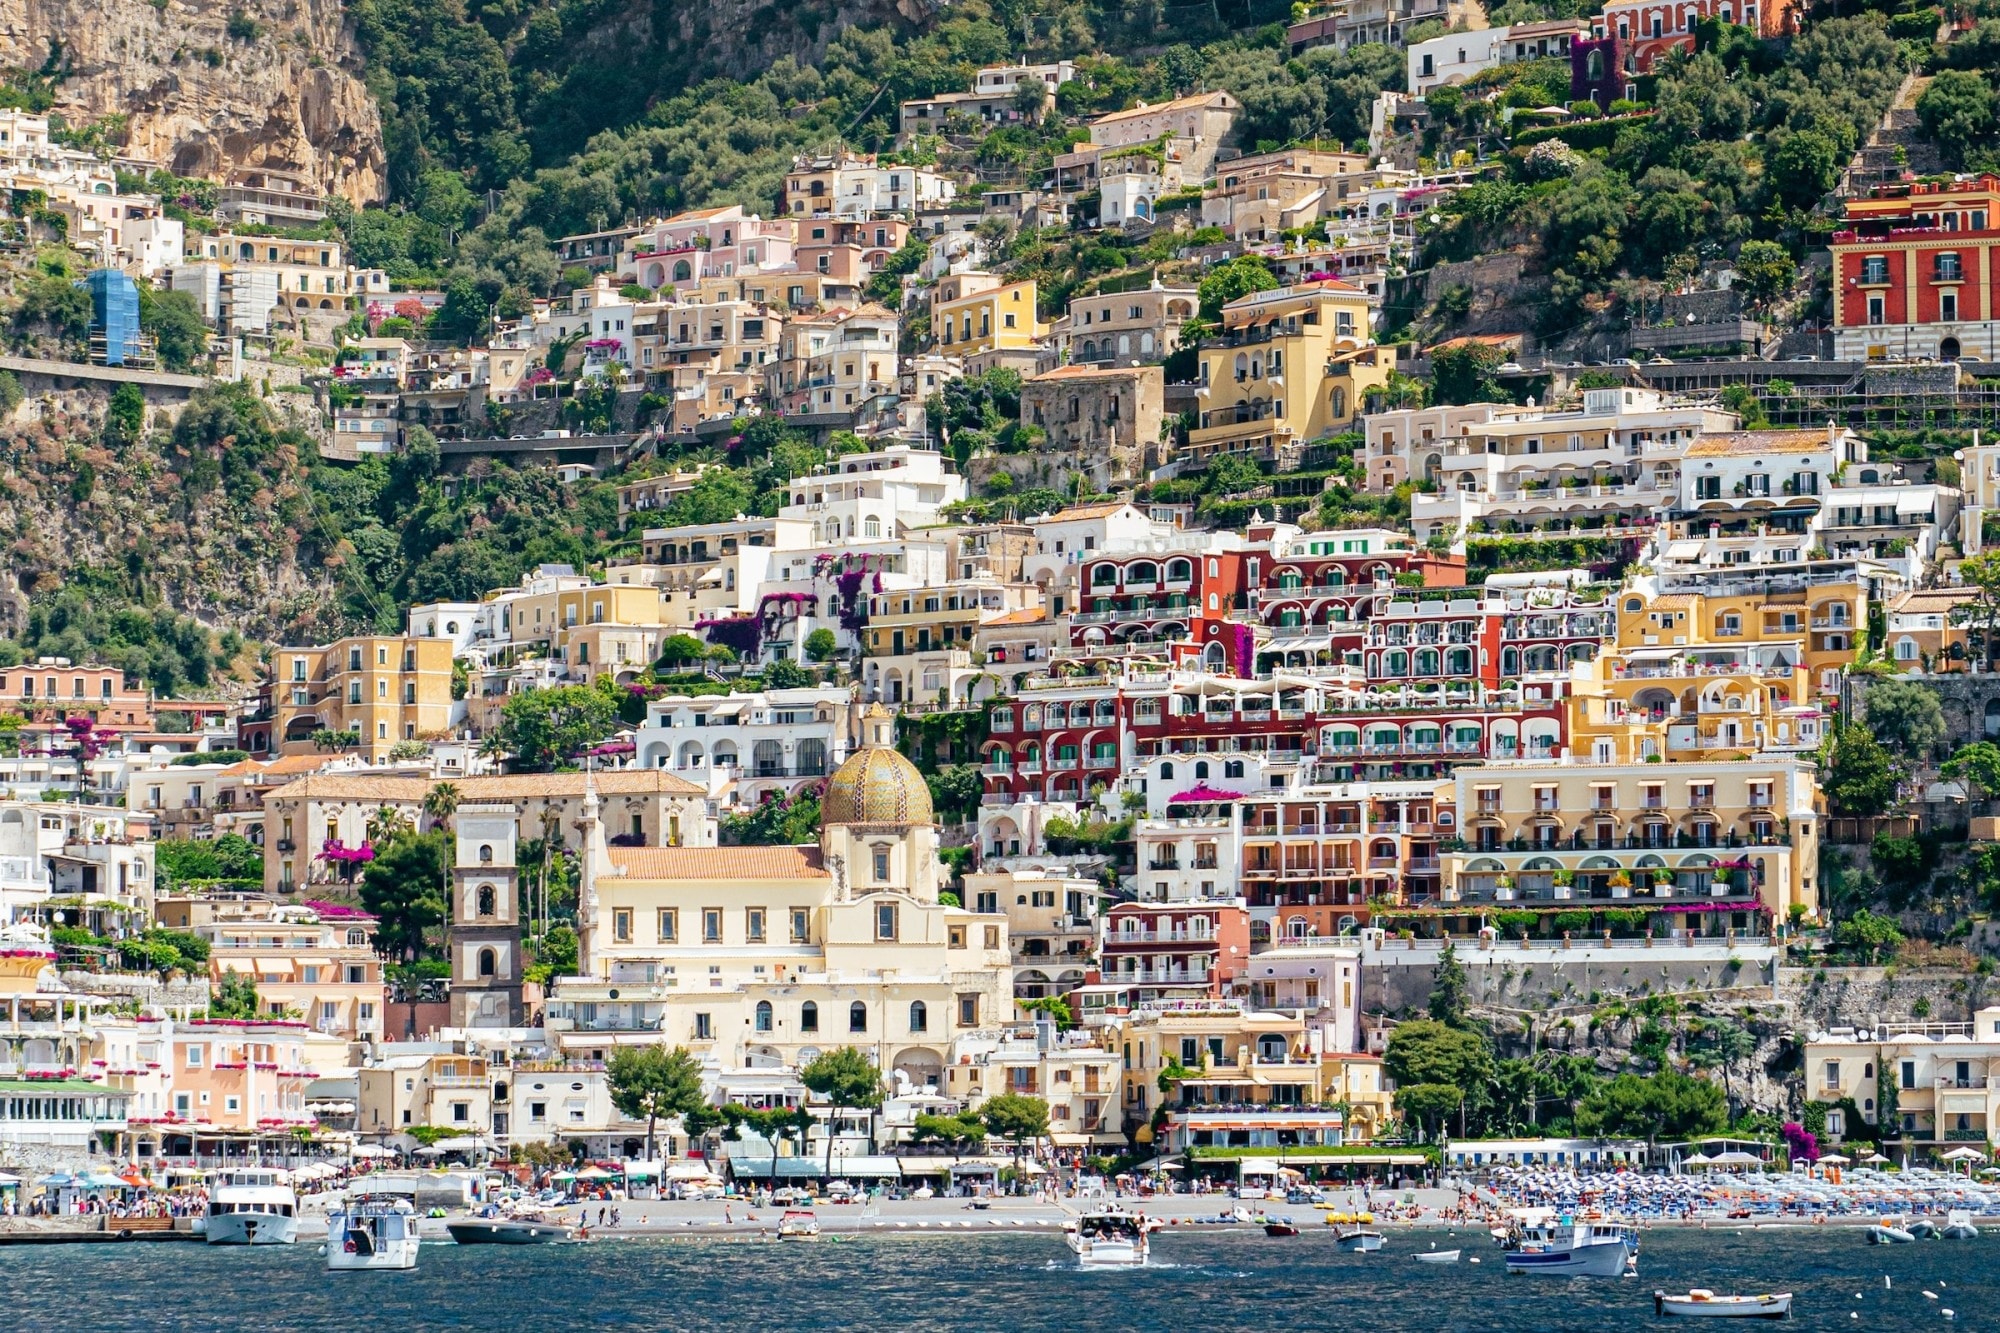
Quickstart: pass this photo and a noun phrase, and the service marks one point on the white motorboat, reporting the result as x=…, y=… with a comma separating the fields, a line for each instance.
x=1958, y=1226
x=1701, y=1304
x=1438, y=1257
x=1570, y=1247
x=372, y=1231
x=798, y=1224
x=252, y=1206
x=1110, y=1237
x=1358, y=1240
x=524, y=1227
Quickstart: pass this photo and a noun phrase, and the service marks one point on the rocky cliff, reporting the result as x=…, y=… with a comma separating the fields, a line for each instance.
x=208, y=87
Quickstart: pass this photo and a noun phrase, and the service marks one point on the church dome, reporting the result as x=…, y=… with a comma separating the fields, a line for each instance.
x=876, y=786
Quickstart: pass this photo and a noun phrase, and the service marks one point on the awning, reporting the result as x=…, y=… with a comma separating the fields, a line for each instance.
x=237, y=964
x=283, y=965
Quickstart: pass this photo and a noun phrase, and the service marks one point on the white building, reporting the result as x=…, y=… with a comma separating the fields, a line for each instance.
x=749, y=745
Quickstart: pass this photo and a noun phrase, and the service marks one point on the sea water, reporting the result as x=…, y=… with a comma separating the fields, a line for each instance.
x=1202, y=1281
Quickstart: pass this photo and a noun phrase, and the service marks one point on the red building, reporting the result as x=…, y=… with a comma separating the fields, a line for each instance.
x=1159, y=949
x=1169, y=597
x=1915, y=270
x=1648, y=29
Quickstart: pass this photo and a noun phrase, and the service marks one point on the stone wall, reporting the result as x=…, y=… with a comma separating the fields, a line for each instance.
x=1860, y=996
x=1513, y=976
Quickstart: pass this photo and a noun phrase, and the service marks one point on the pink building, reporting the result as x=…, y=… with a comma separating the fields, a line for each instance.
x=709, y=243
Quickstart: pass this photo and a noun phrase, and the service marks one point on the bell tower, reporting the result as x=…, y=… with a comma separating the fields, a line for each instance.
x=484, y=938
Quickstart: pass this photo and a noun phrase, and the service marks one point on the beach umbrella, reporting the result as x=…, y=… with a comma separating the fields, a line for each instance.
x=1874, y=1157
x=1965, y=1155
x=595, y=1173
x=1699, y=1159
x=432, y=1151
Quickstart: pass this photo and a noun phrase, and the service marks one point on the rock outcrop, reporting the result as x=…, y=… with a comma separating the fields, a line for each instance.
x=209, y=87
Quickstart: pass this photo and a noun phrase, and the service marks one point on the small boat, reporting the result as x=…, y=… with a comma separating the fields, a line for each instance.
x=1358, y=1240
x=1923, y=1228
x=798, y=1224
x=252, y=1207
x=517, y=1230
x=1890, y=1231
x=372, y=1231
x=1279, y=1226
x=1110, y=1237
x=1701, y=1304
x=1438, y=1257
x=1569, y=1247
x=1958, y=1226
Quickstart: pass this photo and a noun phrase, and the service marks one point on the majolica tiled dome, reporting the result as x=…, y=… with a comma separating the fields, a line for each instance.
x=876, y=786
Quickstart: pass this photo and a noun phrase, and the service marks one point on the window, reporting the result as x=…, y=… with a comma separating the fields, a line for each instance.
x=621, y=925
x=753, y=924
x=670, y=925
x=704, y=1027
x=764, y=1016
x=968, y=1009
x=489, y=962
x=857, y=1017
x=801, y=921
x=885, y=921
x=711, y=925
x=920, y=1018
x=808, y=1017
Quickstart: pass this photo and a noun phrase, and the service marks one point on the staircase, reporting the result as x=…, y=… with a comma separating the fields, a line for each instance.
x=1897, y=146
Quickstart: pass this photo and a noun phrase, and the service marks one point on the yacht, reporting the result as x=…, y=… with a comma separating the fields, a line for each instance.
x=1570, y=1247
x=1358, y=1240
x=252, y=1206
x=1110, y=1237
x=521, y=1227
x=372, y=1231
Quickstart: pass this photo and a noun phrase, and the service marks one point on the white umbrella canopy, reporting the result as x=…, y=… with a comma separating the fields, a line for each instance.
x=1833, y=1159
x=1965, y=1155
x=370, y=1150
x=1699, y=1159
x=1735, y=1157
x=1874, y=1158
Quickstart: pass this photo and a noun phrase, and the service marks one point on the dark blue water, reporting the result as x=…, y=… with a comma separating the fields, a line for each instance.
x=1203, y=1283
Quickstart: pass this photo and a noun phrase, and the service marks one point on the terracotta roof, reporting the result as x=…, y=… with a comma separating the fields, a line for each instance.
x=1755, y=442
x=1479, y=340
x=1673, y=601
x=1178, y=104
x=519, y=787
x=719, y=863
x=1933, y=599
x=1090, y=372
x=1033, y=615
x=1086, y=511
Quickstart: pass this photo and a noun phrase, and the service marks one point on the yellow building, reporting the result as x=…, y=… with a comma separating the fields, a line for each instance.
x=1819, y=625
x=1709, y=847
x=761, y=957
x=1732, y=701
x=384, y=689
x=979, y=323
x=1290, y=366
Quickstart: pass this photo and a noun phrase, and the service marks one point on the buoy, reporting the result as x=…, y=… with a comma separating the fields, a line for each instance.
x=1930, y=1296
x=1886, y=1283
x=1949, y=1314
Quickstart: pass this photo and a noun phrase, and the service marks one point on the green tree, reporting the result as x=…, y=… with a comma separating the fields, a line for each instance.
x=1231, y=281
x=653, y=1083
x=681, y=649
x=1669, y=1105
x=1859, y=776
x=1019, y=1119
x=1978, y=766
x=846, y=1079
x=1867, y=937
x=821, y=644
x=235, y=996
x=1425, y=1050
x=1464, y=374
x=403, y=889
x=1957, y=111
x=956, y=790
x=546, y=727
x=440, y=804
x=125, y=415
x=1450, y=990
x=962, y=1133
x=1980, y=614
x=180, y=862
x=1766, y=269
x=1905, y=716
x=1804, y=167
x=174, y=323
x=1723, y=1045
x=1429, y=1105
x=785, y=674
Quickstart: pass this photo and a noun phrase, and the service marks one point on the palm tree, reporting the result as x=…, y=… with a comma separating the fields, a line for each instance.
x=440, y=804
x=387, y=824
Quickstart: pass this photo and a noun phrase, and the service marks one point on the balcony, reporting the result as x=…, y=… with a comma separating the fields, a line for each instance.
x=1161, y=976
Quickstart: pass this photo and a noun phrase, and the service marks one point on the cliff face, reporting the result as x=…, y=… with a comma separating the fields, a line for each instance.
x=202, y=102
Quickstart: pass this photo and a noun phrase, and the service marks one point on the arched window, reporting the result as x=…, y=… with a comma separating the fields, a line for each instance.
x=1594, y=67
x=486, y=900
x=857, y=1017
x=682, y=270
x=763, y=1015
x=485, y=854
x=920, y=1017
x=489, y=963
x=808, y=1017
x=1339, y=404
x=1166, y=772
x=1232, y=768
x=1201, y=771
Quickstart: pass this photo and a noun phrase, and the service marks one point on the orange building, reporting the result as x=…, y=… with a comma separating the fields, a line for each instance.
x=1648, y=29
